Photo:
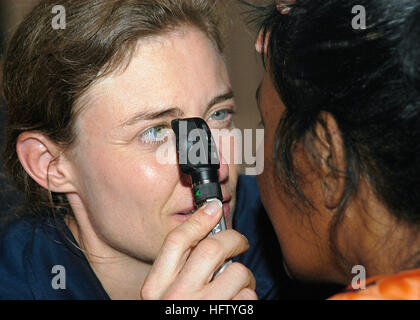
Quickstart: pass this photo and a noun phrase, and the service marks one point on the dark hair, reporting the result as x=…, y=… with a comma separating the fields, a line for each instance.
x=367, y=79
x=47, y=71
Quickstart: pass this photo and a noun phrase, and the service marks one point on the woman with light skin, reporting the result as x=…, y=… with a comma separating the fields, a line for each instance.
x=342, y=116
x=88, y=106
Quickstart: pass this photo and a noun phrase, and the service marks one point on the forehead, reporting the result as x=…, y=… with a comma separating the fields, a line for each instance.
x=181, y=68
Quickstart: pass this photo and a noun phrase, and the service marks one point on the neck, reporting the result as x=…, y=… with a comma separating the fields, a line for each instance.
x=120, y=274
x=375, y=239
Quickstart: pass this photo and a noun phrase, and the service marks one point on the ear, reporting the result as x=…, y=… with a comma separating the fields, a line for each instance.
x=44, y=161
x=331, y=159
x=259, y=42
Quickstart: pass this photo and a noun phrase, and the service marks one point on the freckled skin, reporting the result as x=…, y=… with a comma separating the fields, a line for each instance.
x=126, y=200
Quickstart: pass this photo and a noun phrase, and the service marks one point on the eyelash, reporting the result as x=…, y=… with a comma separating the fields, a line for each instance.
x=144, y=139
x=229, y=114
x=167, y=128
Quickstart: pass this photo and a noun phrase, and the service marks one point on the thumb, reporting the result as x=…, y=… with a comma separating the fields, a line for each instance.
x=204, y=219
x=177, y=246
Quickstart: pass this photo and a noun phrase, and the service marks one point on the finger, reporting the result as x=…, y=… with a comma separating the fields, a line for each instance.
x=209, y=255
x=231, y=282
x=246, y=294
x=177, y=246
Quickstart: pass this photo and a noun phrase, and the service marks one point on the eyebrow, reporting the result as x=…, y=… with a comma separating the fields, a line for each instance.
x=152, y=115
x=219, y=99
x=173, y=111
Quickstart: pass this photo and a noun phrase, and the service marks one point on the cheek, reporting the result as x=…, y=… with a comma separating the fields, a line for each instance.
x=122, y=183
x=152, y=176
x=149, y=182
x=266, y=179
x=127, y=200
x=302, y=231
x=155, y=185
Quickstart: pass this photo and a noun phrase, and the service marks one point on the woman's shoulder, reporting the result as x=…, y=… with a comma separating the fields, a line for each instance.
x=401, y=286
x=248, y=183
x=248, y=207
x=247, y=194
x=251, y=220
x=15, y=242
x=38, y=261
x=15, y=236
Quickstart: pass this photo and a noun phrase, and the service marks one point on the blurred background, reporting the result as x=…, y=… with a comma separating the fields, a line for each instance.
x=243, y=62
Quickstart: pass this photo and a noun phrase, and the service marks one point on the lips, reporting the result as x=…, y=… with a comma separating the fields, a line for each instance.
x=226, y=210
x=187, y=212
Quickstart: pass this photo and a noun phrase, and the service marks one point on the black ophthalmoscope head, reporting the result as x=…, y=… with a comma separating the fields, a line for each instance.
x=198, y=157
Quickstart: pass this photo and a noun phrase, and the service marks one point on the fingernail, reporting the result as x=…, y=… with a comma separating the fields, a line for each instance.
x=213, y=207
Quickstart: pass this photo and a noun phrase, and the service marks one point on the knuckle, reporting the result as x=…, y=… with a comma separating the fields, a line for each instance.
x=147, y=292
x=195, y=225
x=248, y=294
x=242, y=238
x=175, y=238
x=240, y=271
x=175, y=293
x=210, y=248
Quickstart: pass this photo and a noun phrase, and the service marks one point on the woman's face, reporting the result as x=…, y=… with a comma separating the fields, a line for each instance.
x=302, y=233
x=125, y=196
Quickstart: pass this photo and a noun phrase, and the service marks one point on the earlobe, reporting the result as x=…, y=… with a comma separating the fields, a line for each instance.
x=333, y=162
x=41, y=159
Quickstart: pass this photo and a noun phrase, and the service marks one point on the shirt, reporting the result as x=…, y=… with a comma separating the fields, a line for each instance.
x=38, y=260
x=404, y=285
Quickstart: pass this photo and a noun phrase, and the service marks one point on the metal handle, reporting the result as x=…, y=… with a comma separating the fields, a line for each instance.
x=220, y=226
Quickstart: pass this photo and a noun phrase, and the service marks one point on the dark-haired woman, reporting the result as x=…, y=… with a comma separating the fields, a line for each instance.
x=341, y=109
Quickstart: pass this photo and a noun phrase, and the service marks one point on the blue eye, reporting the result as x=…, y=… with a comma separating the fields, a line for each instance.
x=154, y=135
x=220, y=115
